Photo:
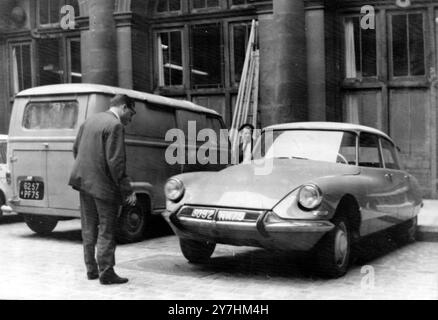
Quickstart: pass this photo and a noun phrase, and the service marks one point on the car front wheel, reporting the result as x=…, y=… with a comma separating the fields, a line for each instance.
x=196, y=251
x=40, y=224
x=333, y=250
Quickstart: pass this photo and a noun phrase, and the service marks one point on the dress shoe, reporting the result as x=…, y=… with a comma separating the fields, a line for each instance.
x=110, y=277
x=92, y=275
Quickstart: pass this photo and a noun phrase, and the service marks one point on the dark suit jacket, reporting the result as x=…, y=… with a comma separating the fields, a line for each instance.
x=100, y=159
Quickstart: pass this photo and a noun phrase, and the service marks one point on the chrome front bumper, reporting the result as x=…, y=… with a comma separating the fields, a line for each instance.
x=276, y=233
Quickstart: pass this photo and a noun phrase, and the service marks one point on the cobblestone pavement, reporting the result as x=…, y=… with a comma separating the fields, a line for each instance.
x=51, y=267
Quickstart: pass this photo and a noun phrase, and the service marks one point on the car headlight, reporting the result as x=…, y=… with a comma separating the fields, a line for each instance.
x=174, y=189
x=309, y=196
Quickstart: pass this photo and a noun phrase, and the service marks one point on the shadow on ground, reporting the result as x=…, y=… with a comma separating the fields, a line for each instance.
x=10, y=219
x=259, y=262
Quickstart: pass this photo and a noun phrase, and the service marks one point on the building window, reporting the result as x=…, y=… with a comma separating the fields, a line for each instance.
x=168, y=5
x=21, y=67
x=240, y=33
x=59, y=61
x=74, y=49
x=50, y=71
x=206, y=56
x=170, y=62
x=360, y=50
x=50, y=10
x=201, y=4
x=408, y=57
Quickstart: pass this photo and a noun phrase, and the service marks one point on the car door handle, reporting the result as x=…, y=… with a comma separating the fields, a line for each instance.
x=388, y=176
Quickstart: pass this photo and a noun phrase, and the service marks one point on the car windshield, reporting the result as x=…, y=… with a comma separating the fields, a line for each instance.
x=329, y=146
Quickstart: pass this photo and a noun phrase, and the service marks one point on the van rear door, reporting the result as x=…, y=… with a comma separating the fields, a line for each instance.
x=42, y=134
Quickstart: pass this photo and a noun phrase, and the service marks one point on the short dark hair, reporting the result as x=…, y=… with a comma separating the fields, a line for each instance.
x=246, y=125
x=121, y=99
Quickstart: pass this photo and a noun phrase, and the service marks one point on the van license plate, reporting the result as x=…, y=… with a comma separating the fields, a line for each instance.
x=32, y=190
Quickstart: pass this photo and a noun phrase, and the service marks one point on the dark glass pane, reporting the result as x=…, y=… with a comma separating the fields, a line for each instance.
x=357, y=43
x=55, y=8
x=212, y=3
x=399, y=45
x=236, y=2
x=75, y=5
x=19, y=57
x=369, y=151
x=49, y=67
x=176, y=70
x=44, y=11
x=241, y=34
x=206, y=55
x=416, y=45
x=75, y=58
x=198, y=4
x=162, y=6
x=174, y=5
x=27, y=70
x=369, y=53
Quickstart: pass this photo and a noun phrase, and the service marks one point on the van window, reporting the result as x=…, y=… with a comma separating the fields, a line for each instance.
x=3, y=146
x=51, y=115
x=151, y=121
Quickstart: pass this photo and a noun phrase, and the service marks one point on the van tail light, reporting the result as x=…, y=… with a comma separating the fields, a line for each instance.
x=8, y=178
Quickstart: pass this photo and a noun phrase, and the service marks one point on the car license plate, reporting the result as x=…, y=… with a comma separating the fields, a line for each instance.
x=225, y=215
x=31, y=190
x=206, y=214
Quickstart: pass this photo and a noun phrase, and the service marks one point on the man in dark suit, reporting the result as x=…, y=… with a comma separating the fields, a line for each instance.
x=246, y=143
x=99, y=174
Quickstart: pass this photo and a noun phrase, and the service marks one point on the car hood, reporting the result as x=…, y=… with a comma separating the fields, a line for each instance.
x=241, y=187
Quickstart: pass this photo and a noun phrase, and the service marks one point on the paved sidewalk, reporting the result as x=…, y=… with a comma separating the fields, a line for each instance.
x=428, y=221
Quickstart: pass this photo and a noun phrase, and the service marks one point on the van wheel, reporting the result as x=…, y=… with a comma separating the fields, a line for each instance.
x=131, y=224
x=40, y=224
x=333, y=250
x=196, y=251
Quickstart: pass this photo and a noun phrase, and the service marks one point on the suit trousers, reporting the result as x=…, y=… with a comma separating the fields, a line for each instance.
x=99, y=223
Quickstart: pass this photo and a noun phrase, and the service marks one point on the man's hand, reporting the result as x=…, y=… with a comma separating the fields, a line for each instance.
x=131, y=199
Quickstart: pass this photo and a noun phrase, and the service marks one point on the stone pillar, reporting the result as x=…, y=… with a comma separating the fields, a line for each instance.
x=99, y=46
x=124, y=50
x=283, y=92
x=316, y=72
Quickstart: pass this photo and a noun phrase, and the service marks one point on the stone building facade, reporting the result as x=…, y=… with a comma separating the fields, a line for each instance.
x=318, y=60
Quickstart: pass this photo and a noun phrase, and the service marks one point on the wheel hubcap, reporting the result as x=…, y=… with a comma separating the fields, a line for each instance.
x=134, y=220
x=341, y=246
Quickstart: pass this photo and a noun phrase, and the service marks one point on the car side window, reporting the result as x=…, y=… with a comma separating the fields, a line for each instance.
x=3, y=146
x=369, y=154
x=389, y=155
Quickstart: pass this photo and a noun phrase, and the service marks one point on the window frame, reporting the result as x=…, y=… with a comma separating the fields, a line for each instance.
x=222, y=84
x=389, y=17
x=233, y=81
x=184, y=58
x=375, y=77
x=32, y=64
x=395, y=154
x=377, y=137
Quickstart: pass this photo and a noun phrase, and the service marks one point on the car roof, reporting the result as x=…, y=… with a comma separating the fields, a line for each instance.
x=327, y=126
x=86, y=88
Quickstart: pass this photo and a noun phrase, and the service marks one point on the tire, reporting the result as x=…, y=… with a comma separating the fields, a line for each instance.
x=40, y=224
x=406, y=232
x=196, y=251
x=131, y=224
x=334, y=249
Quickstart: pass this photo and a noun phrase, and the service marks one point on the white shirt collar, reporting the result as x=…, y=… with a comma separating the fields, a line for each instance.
x=115, y=113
